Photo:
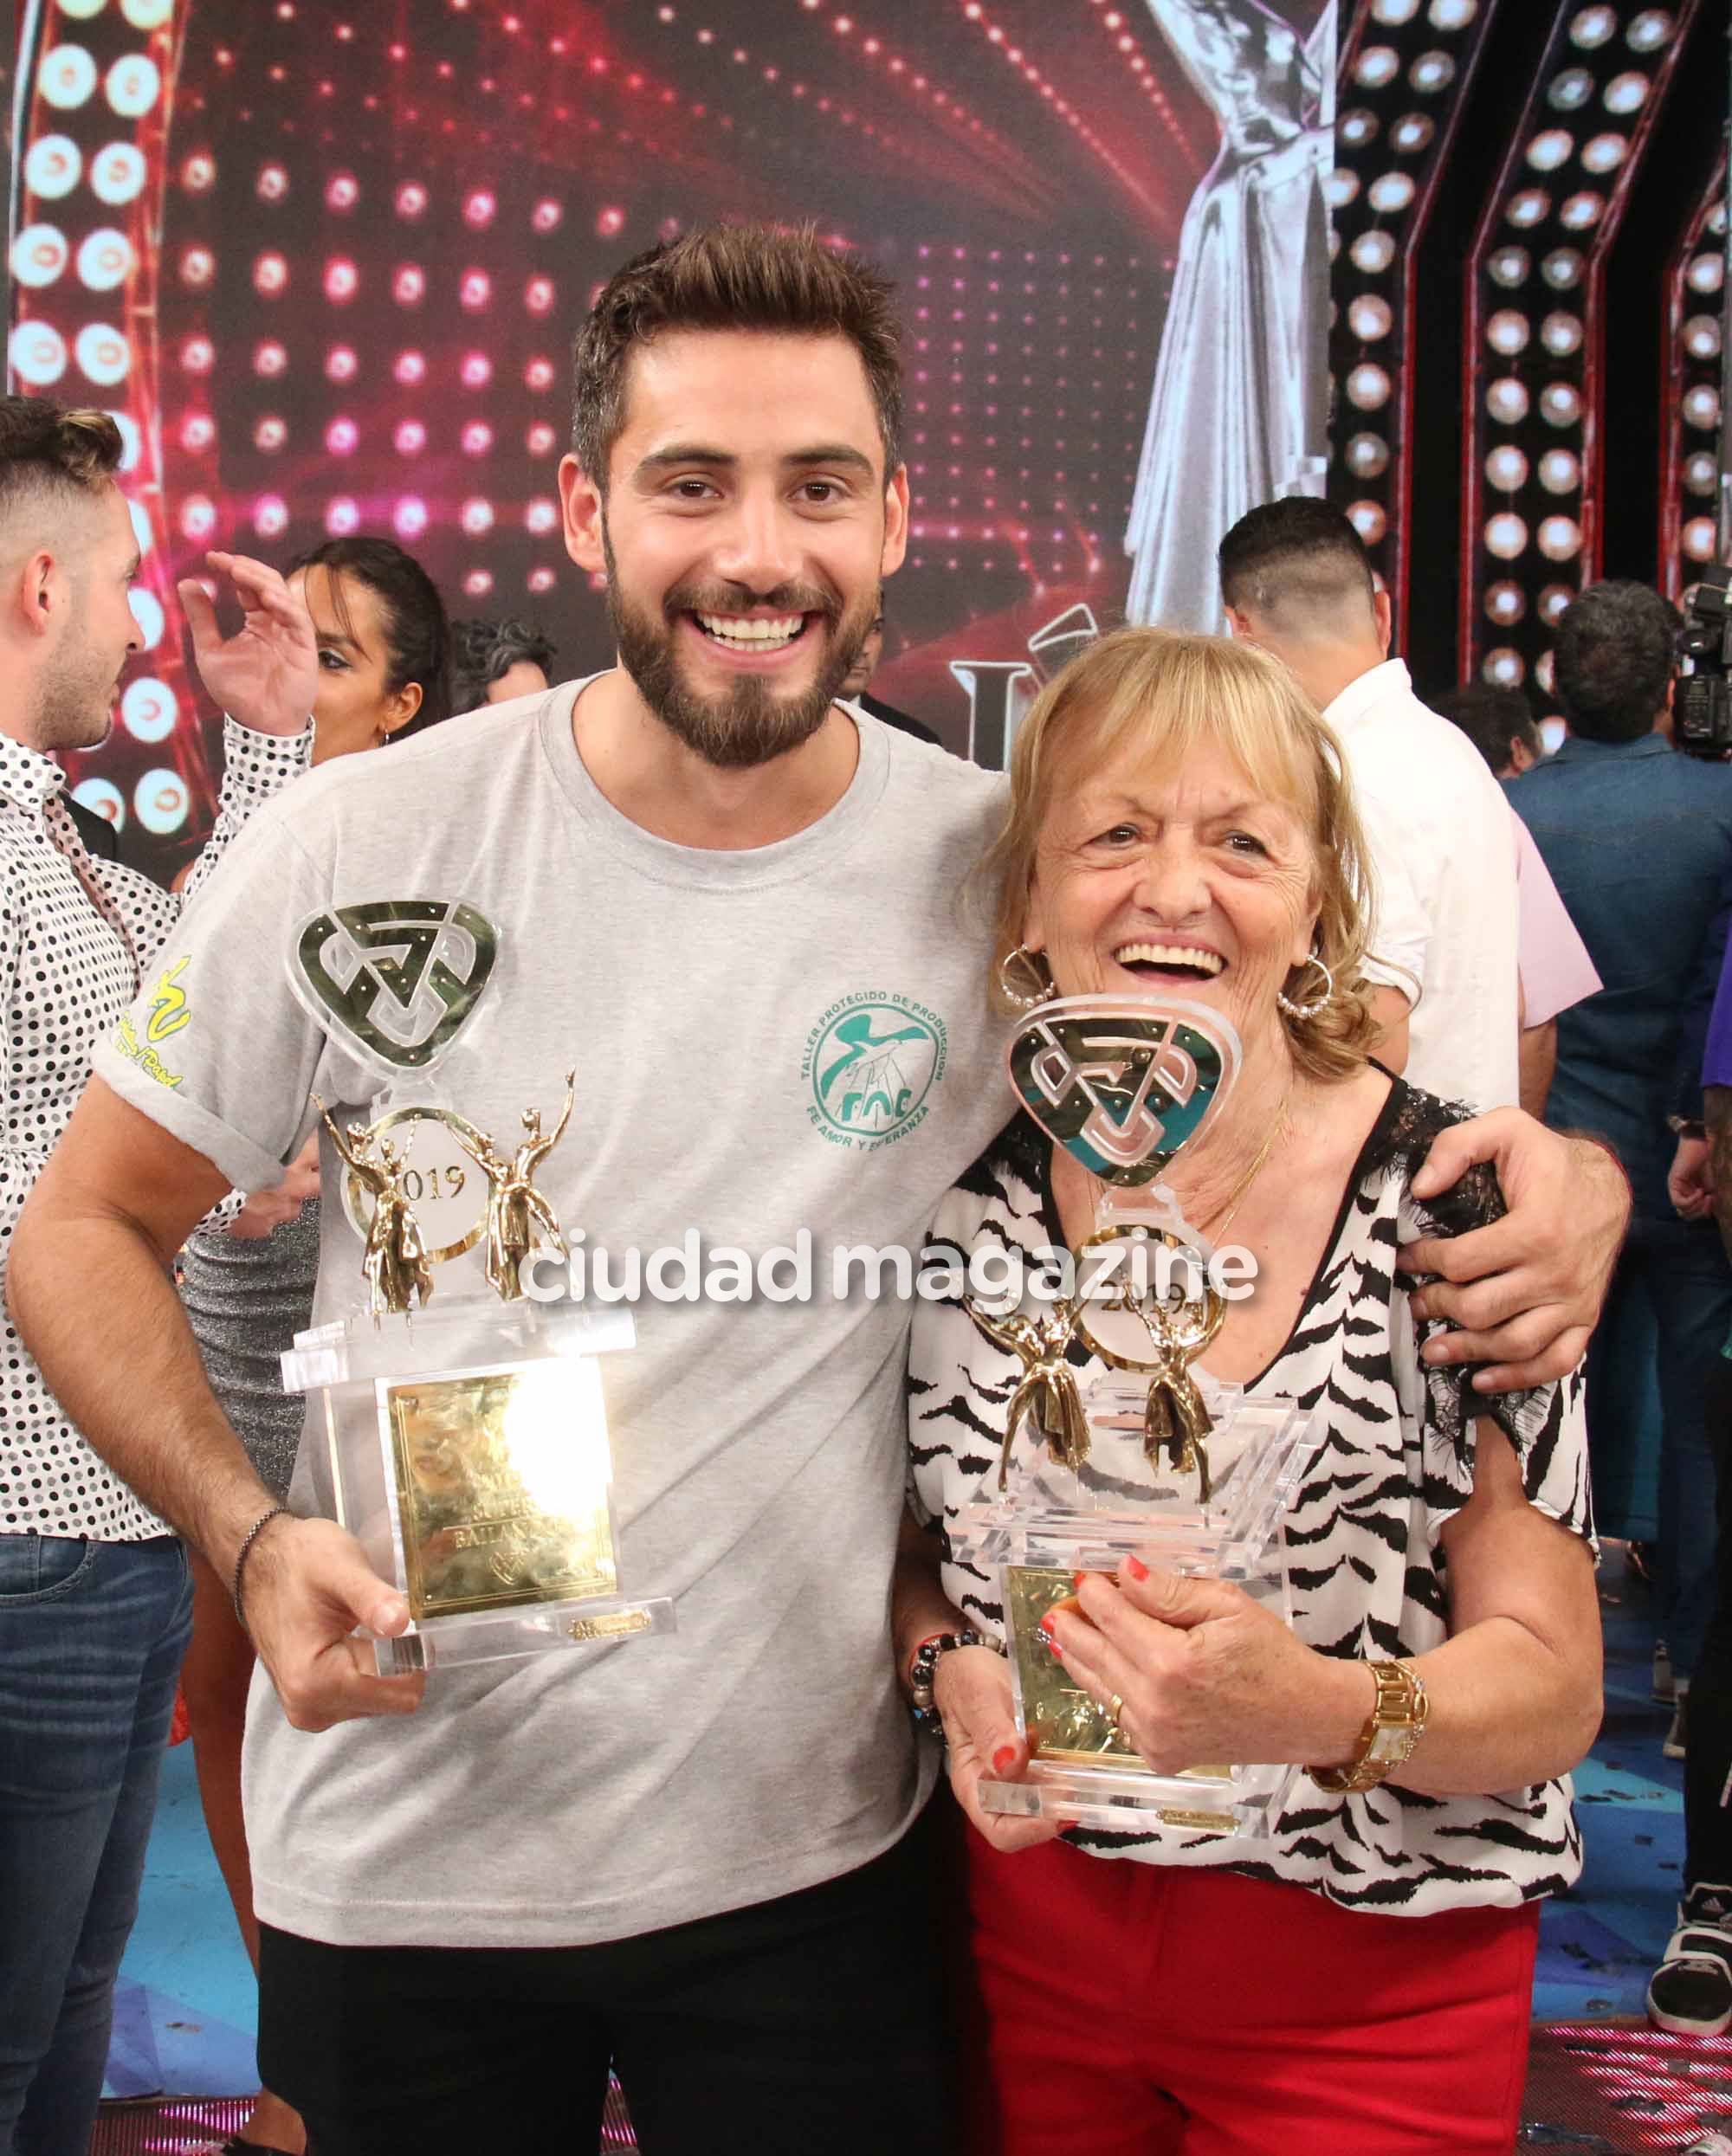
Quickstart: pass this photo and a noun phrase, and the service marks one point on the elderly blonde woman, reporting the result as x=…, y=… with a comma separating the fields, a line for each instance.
x=1180, y=826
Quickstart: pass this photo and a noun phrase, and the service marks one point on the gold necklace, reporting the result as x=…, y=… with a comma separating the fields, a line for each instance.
x=1254, y=1169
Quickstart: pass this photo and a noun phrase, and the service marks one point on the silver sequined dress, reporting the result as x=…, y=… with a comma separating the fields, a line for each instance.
x=246, y=1301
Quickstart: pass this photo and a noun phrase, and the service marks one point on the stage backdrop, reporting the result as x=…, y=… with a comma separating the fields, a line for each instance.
x=324, y=261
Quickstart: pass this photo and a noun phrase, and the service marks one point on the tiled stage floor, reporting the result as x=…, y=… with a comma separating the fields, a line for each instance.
x=185, y=2021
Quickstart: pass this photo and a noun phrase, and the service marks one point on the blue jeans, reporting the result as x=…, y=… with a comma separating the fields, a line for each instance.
x=91, y=1638
x=1679, y=1267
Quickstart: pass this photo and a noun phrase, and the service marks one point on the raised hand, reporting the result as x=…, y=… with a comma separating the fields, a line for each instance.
x=266, y=1210
x=266, y=674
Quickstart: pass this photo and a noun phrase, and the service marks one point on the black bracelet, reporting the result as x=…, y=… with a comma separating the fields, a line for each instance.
x=276, y=1512
x=924, y=1665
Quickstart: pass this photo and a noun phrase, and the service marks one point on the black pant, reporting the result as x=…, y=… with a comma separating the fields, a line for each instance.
x=1707, y=1765
x=813, y=2023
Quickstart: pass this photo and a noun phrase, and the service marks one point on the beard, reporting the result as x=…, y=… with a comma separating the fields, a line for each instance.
x=748, y=723
x=76, y=700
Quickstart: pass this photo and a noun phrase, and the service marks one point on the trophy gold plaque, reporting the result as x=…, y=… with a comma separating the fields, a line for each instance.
x=464, y=1435
x=1145, y=1454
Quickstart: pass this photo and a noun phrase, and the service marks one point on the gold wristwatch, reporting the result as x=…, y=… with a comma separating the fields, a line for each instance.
x=1396, y=1723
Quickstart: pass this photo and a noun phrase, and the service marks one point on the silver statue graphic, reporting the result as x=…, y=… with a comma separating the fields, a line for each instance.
x=1240, y=411
x=518, y=1214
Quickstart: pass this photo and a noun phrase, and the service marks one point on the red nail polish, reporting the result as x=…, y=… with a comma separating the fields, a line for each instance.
x=1136, y=1568
x=1076, y=1580
x=1003, y=1759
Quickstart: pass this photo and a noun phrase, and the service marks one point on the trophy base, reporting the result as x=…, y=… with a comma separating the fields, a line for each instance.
x=1245, y=1803
x=1057, y=1522
x=501, y=1635
x=466, y=1449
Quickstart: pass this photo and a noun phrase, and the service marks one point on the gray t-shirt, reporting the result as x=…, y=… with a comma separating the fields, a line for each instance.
x=790, y=1036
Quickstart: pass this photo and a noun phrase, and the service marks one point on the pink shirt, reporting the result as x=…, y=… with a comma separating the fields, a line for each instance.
x=1552, y=959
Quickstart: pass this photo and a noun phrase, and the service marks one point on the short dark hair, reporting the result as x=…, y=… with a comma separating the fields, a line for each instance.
x=483, y=652
x=1295, y=556
x=417, y=638
x=1616, y=653
x=1491, y=718
x=49, y=450
x=732, y=277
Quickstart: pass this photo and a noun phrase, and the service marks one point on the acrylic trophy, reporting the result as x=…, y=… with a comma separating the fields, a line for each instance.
x=1147, y=1456
x=466, y=1435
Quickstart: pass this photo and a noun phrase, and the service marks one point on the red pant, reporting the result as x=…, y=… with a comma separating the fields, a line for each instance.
x=1121, y=2009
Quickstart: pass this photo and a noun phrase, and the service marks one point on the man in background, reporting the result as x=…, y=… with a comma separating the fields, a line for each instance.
x=854, y=689
x=1554, y=967
x=1497, y=722
x=1638, y=841
x=94, y=1592
x=1297, y=579
x=493, y=662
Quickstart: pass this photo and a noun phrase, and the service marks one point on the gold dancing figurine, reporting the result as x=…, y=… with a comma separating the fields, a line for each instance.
x=518, y=1214
x=397, y=1265
x=1049, y=1390
x=1176, y=1420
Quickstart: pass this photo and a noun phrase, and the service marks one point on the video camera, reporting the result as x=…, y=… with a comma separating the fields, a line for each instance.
x=1702, y=702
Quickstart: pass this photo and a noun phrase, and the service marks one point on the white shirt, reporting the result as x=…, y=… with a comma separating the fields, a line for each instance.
x=1440, y=832
x=67, y=973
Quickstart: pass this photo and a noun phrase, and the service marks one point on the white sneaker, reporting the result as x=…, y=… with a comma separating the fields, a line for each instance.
x=1690, y=1993
x=1662, y=1692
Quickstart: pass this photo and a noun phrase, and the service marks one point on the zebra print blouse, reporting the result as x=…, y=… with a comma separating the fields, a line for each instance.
x=1368, y=1569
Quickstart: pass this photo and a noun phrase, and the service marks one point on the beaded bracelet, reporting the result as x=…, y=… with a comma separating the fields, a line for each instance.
x=276, y=1512
x=923, y=1665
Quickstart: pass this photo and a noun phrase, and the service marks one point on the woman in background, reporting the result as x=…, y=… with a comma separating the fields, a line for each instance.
x=382, y=674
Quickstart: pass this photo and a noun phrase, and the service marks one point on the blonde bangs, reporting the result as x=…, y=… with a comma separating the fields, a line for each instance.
x=1155, y=702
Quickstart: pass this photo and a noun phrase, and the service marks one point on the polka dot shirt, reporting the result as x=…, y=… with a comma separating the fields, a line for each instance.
x=66, y=975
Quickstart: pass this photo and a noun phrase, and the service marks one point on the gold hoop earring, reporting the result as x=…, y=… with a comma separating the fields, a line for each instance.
x=1286, y=1004
x=1024, y=978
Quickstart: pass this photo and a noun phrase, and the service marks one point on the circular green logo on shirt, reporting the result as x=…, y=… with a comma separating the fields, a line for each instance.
x=872, y=1061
